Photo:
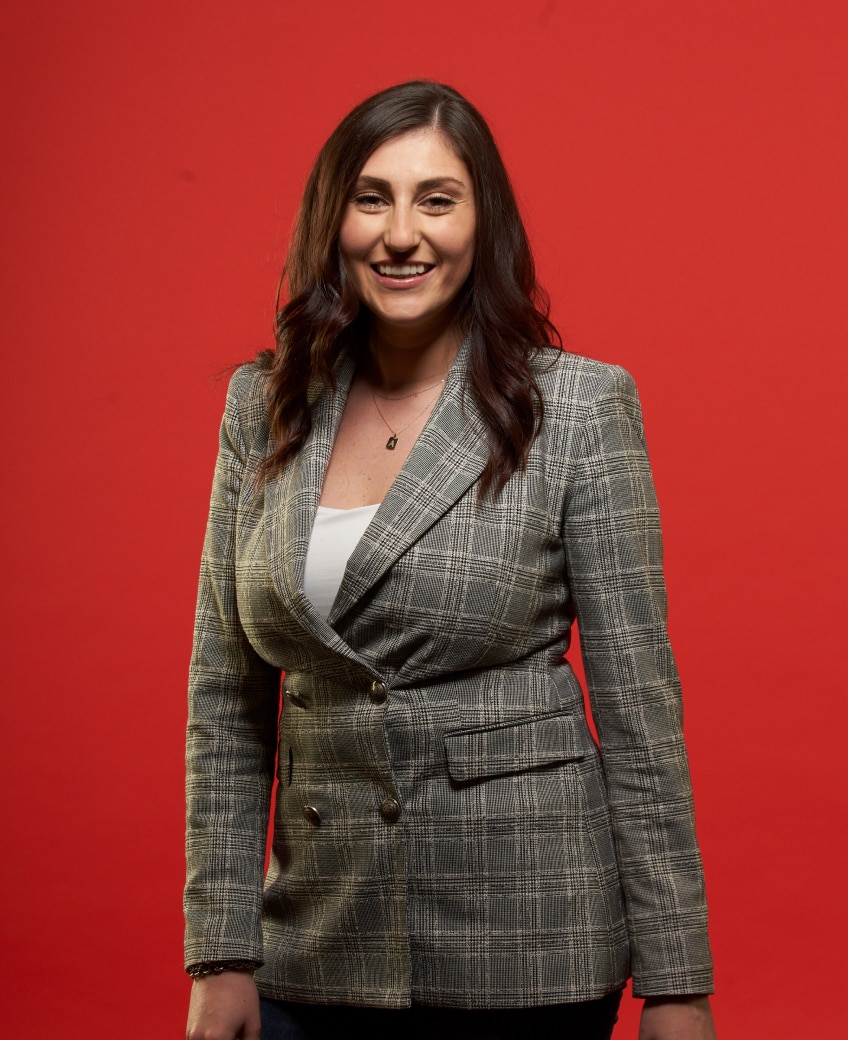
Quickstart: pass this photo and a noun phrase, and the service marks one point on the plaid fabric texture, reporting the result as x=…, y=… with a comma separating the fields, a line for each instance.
x=446, y=830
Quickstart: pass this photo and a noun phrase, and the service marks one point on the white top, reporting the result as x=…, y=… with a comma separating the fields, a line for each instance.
x=335, y=534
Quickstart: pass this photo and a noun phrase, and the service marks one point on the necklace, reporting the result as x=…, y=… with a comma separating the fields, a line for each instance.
x=405, y=397
x=391, y=443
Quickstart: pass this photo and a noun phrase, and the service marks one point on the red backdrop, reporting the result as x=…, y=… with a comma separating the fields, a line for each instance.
x=682, y=167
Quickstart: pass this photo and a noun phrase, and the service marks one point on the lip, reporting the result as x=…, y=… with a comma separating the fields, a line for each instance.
x=405, y=282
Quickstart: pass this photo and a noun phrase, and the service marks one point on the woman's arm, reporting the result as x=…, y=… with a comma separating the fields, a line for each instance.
x=232, y=727
x=614, y=558
x=677, y=1018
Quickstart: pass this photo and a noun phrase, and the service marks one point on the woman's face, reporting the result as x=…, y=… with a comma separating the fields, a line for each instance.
x=407, y=235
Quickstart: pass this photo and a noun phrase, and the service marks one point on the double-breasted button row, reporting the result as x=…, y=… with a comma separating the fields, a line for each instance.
x=389, y=810
x=378, y=692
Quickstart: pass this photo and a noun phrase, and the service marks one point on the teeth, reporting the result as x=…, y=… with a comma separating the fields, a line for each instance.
x=400, y=270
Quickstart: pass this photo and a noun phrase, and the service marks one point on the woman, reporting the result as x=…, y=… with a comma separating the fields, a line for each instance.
x=414, y=496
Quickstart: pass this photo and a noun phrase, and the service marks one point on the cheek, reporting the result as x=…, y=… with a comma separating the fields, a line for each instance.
x=353, y=240
x=461, y=258
x=459, y=246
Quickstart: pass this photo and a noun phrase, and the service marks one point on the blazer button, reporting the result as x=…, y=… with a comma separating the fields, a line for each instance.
x=294, y=698
x=311, y=815
x=390, y=810
x=379, y=692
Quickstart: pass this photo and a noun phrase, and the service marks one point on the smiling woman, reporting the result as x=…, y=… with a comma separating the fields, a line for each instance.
x=407, y=237
x=416, y=495
x=499, y=311
x=407, y=247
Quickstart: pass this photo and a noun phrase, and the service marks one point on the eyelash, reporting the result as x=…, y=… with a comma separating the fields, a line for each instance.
x=440, y=201
x=370, y=200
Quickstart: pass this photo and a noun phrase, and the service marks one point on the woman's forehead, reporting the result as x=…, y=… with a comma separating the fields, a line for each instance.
x=417, y=154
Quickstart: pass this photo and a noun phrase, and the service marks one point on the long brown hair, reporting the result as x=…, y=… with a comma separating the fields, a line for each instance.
x=501, y=307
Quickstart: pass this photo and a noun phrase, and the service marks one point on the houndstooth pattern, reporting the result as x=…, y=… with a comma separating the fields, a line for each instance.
x=526, y=867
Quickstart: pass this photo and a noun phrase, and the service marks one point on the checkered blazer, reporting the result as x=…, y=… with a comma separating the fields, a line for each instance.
x=446, y=830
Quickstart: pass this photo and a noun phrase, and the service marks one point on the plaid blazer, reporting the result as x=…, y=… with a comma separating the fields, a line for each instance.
x=446, y=831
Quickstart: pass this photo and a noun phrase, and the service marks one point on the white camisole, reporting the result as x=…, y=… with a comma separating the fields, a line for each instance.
x=335, y=534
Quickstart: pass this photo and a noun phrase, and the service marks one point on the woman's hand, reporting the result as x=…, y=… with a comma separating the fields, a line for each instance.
x=677, y=1018
x=224, y=1007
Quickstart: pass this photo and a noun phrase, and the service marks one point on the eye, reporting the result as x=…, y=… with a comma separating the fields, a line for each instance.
x=368, y=200
x=438, y=203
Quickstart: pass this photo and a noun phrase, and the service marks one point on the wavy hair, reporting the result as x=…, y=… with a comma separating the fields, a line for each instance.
x=501, y=308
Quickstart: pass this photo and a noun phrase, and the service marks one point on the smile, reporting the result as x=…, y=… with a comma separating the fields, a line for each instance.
x=401, y=270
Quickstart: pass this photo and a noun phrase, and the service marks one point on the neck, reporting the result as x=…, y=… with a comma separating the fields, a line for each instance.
x=397, y=361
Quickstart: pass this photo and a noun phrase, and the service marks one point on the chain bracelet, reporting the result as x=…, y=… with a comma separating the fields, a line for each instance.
x=199, y=971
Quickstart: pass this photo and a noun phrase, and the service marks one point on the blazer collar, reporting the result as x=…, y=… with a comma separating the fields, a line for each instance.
x=448, y=456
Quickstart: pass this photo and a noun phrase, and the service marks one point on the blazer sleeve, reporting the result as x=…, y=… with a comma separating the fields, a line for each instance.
x=614, y=559
x=232, y=724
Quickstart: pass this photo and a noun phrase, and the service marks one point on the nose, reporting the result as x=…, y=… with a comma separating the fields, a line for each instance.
x=401, y=234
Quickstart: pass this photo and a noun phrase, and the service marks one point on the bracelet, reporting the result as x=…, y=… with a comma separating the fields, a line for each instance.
x=198, y=971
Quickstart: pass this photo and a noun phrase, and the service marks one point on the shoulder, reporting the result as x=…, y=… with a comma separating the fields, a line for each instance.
x=570, y=383
x=246, y=389
x=591, y=411
x=246, y=413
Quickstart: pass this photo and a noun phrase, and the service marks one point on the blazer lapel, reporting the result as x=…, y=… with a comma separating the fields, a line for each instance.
x=292, y=501
x=447, y=458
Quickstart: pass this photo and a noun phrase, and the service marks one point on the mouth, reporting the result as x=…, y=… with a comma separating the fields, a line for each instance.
x=401, y=272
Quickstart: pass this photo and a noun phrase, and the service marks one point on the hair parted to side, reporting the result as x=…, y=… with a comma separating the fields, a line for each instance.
x=501, y=307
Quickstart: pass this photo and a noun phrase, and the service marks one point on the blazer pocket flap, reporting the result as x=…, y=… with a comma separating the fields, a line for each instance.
x=512, y=747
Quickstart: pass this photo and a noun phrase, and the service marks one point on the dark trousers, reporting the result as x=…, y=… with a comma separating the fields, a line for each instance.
x=589, y=1020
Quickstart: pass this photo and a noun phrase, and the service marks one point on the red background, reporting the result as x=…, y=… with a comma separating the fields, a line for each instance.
x=682, y=168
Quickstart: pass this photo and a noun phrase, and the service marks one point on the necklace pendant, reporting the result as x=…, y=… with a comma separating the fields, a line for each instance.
x=391, y=442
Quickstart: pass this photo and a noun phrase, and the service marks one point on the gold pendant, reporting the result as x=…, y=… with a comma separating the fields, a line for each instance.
x=391, y=442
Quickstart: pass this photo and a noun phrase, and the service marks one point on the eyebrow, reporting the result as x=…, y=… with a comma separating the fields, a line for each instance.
x=428, y=185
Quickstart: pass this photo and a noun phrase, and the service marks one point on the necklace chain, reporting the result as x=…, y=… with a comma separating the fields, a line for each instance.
x=405, y=397
x=391, y=443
